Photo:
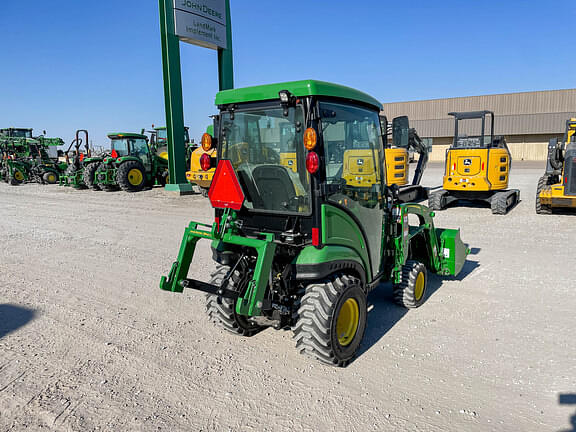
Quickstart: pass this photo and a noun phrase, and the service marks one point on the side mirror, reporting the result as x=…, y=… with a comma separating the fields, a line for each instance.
x=43, y=132
x=400, y=132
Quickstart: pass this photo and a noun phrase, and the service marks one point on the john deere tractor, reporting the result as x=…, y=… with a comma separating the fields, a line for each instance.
x=477, y=166
x=79, y=173
x=132, y=165
x=299, y=248
x=557, y=187
x=27, y=158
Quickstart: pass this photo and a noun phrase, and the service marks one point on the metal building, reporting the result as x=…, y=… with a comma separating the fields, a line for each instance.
x=528, y=120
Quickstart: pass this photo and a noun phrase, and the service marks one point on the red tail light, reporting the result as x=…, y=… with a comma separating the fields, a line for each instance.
x=114, y=154
x=482, y=166
x=81, y=157
x=315, y=237
x=205, y=162
x=312, y=162
x=225, y=190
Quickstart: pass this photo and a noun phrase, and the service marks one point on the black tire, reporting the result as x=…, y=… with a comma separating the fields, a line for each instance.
x=317, y=329
x=543, y=184
x=222, y=311
x=437, y=200
x=88, y=176
x=14, y=180
x=131, y=176
x=411, y=292
x=50, y=177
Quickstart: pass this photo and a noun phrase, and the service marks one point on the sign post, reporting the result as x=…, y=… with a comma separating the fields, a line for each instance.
x=205, y=23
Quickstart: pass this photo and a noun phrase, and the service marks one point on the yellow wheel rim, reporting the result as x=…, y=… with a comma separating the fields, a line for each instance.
x=52, y=178
x=135, y=177
x=18, y=175
x=347, y=322
x=419, y=287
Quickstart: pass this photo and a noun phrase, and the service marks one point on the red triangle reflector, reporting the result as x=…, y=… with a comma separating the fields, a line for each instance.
x=225, y=190
x=114, y=154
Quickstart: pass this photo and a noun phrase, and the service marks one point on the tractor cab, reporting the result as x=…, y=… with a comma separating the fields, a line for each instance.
x=128, y=144
x=16, y=133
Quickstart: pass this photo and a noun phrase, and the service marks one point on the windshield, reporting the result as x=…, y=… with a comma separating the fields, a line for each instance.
x=120, y=145
x=162, y=135
x=264, y=147
x=21, y=133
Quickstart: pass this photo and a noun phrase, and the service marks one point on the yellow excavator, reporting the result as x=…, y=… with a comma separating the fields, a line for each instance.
x=477, y=166
x=557, y=187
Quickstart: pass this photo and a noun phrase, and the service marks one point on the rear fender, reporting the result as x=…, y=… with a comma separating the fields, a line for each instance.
x=313, y=263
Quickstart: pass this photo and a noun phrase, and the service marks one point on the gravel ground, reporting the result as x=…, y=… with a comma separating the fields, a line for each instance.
x=89, y=342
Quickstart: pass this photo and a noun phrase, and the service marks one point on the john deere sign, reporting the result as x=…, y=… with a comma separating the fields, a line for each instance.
x=201, y=22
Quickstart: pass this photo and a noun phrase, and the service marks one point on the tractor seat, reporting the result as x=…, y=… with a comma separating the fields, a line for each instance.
x=275, y=186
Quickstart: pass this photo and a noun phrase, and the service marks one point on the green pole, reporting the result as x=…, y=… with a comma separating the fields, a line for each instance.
x=225, y=61
x=173, y=101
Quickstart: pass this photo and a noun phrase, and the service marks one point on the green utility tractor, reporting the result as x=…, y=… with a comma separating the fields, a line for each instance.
x=32, y=154
x=299, y=247
x=79, y=173
x=132, y=165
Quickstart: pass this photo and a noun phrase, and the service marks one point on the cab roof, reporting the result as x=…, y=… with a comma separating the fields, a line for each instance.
x=298, y=89
x=126, y=135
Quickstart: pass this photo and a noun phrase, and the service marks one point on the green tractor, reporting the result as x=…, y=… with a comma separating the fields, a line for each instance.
x=82, y=166
x=301, y=247
x=27, y=158
x=132, y=165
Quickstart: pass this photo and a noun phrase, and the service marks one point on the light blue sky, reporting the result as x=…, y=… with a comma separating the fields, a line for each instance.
x=97, y=65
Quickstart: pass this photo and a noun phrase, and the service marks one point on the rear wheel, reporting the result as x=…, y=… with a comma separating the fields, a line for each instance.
x=411, y=292
x=437, y=200
x=543, y=184
x=89, y=176
x=332, y=320
x=222, y=311
x=131, y=176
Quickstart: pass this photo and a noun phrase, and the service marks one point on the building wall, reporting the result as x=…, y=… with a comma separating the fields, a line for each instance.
x=528, y=120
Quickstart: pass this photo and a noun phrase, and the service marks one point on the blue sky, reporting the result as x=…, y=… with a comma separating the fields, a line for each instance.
x=97, y=65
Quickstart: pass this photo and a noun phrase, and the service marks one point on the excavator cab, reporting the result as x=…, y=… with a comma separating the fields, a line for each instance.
x=557, y=187
x=477, y=165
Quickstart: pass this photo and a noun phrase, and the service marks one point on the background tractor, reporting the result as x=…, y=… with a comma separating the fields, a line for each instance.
x=557, y=187
x=33, y=158
x=477, y=166
x=132, y=165
x=297, y=246
x=79, y=173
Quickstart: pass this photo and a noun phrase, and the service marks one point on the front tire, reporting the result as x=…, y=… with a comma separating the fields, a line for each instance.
x=411, y=292
x=222, y=311
x=131, y=176
x=332, y=320
x=50, y=177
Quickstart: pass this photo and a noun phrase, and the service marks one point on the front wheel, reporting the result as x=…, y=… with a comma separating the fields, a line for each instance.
x=332, y=320
x=543, y=184
x=411, y=291
x=50, y=177
x=17, y=177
